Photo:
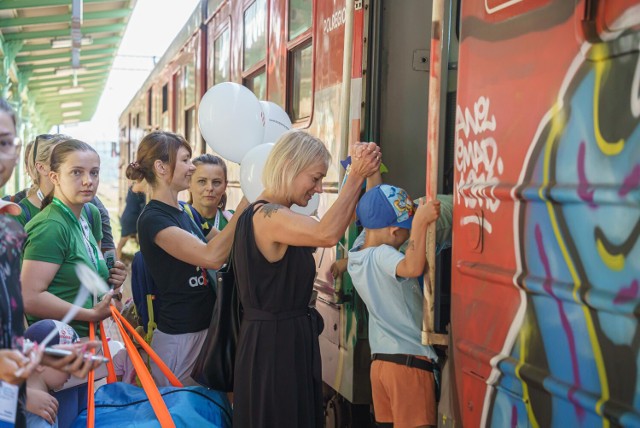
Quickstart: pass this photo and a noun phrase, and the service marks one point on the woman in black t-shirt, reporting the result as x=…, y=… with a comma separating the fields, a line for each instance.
x=176, y=253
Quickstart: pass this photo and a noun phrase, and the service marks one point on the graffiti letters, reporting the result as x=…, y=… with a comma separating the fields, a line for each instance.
x=476, y=157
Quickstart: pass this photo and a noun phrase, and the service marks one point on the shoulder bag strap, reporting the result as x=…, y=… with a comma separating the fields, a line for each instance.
x=111, y=373
x=152, y=354
x=148, y=384
x=87, y=210
x=26, y=211
x=91, y=405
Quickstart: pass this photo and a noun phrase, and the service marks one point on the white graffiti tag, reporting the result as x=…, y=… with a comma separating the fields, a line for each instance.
x=477, y=160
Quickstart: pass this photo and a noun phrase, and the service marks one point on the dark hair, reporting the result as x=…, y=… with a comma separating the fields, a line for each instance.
x=6, y=107
x=59, y=156
x=209, y=159
x=157, y=145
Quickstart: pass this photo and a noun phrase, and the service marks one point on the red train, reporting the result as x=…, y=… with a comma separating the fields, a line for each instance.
x=528, y=112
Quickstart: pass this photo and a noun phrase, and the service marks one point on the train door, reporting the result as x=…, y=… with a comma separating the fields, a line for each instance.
x=399, y=96
x=400, y=62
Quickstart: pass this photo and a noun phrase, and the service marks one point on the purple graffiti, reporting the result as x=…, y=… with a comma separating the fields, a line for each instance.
x=631, y=181
x=585, y=192
x=565, y=323
x=514, y=417
x=627, y=294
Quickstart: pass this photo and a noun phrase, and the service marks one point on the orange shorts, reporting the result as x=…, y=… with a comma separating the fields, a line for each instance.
x=402, y=395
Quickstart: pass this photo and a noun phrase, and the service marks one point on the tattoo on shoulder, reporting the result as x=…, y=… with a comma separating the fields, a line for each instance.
x=269, y=209
x=411, y=245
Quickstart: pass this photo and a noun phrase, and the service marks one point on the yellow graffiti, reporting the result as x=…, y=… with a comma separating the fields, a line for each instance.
x=524, y=332
x=557, y=125
x=609, y=149
x=613, y=262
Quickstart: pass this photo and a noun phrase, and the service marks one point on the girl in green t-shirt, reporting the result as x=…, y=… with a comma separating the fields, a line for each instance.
x=208, y=200
x=59, y=238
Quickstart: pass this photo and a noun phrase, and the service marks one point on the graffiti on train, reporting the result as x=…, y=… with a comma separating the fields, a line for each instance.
x=476, y=158
x=575, y=356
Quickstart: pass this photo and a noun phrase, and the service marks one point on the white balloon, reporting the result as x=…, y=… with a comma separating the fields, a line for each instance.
x=277, y=121
x=231, y=120
x=311, y=207
x=251, y=169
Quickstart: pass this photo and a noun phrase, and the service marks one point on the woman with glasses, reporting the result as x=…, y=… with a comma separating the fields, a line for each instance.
x=15, y=366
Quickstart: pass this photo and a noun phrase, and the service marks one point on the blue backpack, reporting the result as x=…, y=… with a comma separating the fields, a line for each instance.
x=144, y=292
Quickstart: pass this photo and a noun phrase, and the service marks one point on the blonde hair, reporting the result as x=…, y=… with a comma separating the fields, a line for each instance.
x=40, y=152
x=295, y=151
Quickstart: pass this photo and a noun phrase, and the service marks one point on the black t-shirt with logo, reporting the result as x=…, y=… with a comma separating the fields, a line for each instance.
x=185, y=294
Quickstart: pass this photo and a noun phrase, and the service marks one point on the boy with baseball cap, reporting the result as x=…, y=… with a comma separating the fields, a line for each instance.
x=46, y=379
x=402, y=380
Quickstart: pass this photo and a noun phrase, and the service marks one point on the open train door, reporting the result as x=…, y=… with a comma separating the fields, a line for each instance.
x=410, y=92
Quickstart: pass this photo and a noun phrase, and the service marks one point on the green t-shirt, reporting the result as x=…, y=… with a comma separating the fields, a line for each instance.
x=54, y=237
x=209, y=222
x=95, y=223
x=26, y=204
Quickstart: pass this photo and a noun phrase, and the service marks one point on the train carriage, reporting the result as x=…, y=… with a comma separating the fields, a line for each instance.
x=527, y=112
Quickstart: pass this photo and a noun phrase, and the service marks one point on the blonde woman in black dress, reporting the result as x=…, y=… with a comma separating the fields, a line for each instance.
x=278, y=381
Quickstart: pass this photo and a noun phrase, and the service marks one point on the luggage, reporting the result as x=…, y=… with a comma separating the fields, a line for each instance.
x=118, y=404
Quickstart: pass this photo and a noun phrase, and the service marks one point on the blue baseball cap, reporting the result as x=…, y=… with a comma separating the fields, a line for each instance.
x=39, y=330
x=385, y=206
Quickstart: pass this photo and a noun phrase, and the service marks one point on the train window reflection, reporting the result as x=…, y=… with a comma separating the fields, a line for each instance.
x=257, y=83
x=301, y=81
x=255, y=40
x=189, y=84
x=221, y=49
x=300, y=17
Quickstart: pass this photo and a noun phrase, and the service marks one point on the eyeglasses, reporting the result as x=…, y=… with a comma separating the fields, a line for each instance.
x=9, y=147
x=35, y=144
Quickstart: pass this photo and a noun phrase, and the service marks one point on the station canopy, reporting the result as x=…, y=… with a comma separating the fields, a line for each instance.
x=56, y=56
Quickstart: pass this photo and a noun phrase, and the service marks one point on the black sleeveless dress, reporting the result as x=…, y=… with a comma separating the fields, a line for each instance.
x=278, y=380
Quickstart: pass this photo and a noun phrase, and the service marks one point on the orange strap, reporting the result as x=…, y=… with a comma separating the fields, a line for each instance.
x=91, y=405
x=149, y=386
x=161, y=365
x=111, y=372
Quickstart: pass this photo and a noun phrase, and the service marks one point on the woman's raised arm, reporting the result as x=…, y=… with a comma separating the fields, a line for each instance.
x=185, y=247
x=279, y=225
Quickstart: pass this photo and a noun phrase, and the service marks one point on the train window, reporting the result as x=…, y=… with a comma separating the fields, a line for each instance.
x=165, y=97
x=257, y=83
x=189, y=129
x=149, y=107
x=301, y=65
x=212, y=6
x=189, y=85
x=178, y=102
x=300, y=17
x=255, y=40
x=221, y=51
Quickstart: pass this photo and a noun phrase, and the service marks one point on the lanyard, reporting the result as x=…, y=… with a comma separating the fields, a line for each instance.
x=92, y=251
x=216, y=222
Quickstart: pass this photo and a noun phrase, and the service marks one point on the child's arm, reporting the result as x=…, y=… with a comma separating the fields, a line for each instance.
x=414, y=261
x=42, y=404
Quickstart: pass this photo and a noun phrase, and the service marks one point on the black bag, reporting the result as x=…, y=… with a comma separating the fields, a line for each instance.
x=215, y=364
